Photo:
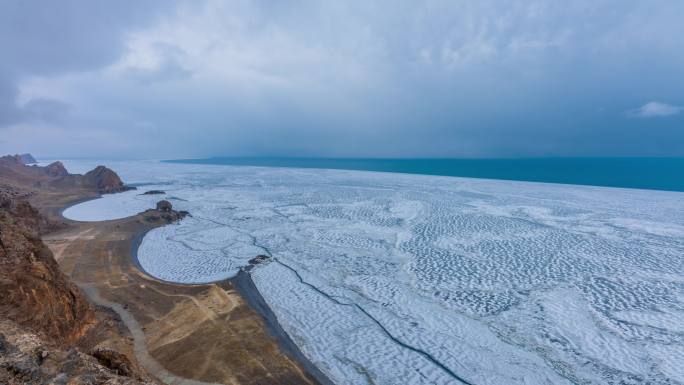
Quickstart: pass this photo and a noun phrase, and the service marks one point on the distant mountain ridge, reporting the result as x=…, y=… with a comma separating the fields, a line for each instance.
x=14, y=168
x=24, y=158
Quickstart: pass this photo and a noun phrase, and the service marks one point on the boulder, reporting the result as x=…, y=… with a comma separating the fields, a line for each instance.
x=113, y=360
x=258, y=259
x=164, y=205
x=62, y=365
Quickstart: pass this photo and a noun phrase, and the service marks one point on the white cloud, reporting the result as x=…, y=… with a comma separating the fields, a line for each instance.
x=655, y=110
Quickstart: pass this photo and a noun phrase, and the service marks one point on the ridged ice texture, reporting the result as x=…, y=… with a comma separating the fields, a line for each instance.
x=404, y=279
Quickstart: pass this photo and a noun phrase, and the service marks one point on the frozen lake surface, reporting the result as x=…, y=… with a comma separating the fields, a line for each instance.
x=407, y=279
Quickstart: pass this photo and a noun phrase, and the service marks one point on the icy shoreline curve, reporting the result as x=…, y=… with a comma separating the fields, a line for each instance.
x=393, y=278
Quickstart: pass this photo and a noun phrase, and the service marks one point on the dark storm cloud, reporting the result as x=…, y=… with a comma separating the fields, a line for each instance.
x=48, y=110
x=50, y=37
x=382, y=78
x=47, y=38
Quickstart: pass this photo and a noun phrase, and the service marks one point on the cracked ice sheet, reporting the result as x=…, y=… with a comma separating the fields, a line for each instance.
x=415, y=279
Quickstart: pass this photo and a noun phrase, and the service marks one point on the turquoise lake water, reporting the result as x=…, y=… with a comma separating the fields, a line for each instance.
x=644, y=173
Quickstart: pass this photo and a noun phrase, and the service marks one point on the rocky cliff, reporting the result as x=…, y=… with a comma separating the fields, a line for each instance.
x=55, y=170
x=35, y=293
x=26, y=359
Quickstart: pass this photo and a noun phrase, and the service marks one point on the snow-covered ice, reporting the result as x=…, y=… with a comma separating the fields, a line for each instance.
x=406, y=279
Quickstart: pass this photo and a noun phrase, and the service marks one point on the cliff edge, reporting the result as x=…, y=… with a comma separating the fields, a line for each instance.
x=36, y=293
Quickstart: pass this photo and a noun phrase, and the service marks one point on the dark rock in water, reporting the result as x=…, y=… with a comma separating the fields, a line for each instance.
x=56, y=169
x=154, y=192
x=164, y=206
x=255, y=261
x=165, y=211
x=258, y=259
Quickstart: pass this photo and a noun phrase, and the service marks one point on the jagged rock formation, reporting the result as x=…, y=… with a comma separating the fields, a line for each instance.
x=56, y=170
x=114, y=361
x=165, y=212
x=26, y=158
x=104, y=180
x=21, y=158
x=101, y=179
x=27, y=360
x=35, y=293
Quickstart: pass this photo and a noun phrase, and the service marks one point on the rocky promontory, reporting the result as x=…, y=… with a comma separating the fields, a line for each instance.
x=164, y=212
x=101, y=179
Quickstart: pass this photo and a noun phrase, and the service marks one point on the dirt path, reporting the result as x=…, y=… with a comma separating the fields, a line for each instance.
x=139, y=342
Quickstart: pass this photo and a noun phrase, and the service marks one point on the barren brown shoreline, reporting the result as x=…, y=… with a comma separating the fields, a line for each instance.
x=192, y=334
x=245, y=287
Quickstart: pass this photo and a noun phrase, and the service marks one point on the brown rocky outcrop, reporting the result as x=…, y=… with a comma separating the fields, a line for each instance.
x=25, y=158
x=113, y=360
x=164, y=205
x=25, y=359
x=104, y=180
x=20, y=158
x=35, y=293
x=164, y=211
x=101, y=179
x=56, y=170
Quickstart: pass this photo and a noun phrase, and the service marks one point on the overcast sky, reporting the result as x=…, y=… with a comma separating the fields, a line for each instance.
x=452, y=78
